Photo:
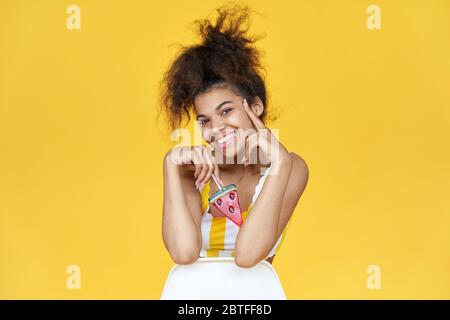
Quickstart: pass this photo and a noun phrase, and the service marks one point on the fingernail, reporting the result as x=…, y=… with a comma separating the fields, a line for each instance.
x=201, y=186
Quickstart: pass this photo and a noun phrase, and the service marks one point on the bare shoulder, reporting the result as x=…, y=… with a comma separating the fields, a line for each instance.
x=298, y=177
x=299, y=167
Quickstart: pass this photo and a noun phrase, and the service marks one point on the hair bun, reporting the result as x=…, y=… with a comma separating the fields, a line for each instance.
x=226, y=54
x=228, y=36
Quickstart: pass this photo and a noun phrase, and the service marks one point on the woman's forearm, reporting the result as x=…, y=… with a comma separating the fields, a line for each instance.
x=258, y=234
x=181, y=234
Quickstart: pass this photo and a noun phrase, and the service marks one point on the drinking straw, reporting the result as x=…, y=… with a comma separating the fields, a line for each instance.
x=217, y=182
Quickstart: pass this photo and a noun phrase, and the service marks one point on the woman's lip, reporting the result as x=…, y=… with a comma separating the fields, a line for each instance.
x=227, y=141
x=224, y=144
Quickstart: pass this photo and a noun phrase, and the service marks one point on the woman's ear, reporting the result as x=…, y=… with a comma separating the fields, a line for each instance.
x=257, y=107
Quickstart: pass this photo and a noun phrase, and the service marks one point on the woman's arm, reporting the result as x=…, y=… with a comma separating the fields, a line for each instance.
x=181, y=214
x=277, y=200
x=271, y=211
x=258, y=234
x=184, y=168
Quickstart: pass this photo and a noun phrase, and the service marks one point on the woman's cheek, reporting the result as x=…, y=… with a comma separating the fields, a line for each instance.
x=238, y=120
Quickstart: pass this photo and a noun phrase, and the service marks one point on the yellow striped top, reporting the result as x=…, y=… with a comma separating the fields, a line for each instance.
x=219, y=233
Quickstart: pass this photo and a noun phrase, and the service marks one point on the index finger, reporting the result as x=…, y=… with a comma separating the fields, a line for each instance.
x=256, y=121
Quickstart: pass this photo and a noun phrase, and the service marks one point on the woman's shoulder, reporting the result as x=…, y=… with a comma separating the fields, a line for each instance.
x=298, y=162
x=299, y=171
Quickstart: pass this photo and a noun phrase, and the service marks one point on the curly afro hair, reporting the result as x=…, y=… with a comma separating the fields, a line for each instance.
x=225, y=56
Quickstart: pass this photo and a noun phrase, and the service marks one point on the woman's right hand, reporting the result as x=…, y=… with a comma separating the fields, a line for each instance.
x=198, y=159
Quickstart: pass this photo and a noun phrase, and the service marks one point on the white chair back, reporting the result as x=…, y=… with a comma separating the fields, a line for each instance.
x=220, y=279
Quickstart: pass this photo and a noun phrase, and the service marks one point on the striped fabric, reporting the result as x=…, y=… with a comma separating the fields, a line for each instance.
x=219, y=233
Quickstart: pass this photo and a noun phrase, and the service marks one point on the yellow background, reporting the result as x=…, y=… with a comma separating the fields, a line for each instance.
x=81, y=148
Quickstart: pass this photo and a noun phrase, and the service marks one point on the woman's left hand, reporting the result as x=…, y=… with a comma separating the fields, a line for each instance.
x=264, y=139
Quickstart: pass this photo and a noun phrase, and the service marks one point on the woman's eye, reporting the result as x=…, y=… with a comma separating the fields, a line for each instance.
x=203, y=122
x=225, y=111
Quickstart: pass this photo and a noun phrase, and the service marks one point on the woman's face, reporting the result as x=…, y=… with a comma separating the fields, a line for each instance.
x=223, y=120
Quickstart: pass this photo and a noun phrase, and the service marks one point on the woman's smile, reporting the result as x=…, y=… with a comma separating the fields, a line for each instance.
x=226, y=140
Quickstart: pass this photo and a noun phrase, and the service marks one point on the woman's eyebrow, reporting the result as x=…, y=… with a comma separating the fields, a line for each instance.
x=217, y=108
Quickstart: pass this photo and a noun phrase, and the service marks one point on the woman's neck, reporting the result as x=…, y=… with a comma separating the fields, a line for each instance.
x=238, y=172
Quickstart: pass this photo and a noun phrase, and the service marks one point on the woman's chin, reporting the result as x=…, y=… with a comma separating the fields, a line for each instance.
x=228, y=152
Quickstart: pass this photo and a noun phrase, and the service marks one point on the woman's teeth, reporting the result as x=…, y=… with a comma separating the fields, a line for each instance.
x=226, y=138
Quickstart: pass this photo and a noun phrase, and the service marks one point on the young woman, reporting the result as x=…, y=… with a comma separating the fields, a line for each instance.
x=220, y=80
